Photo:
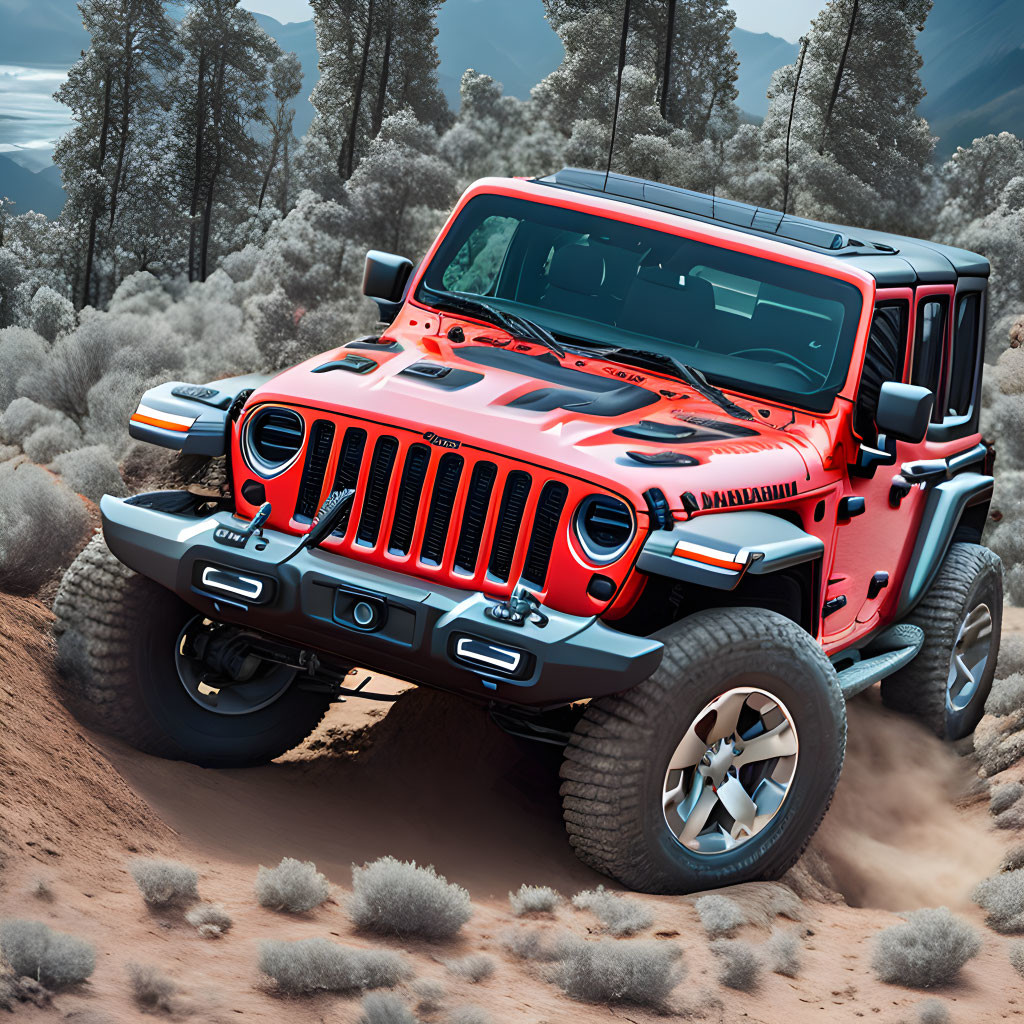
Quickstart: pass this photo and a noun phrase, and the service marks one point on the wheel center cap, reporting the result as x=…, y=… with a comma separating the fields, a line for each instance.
x=717, y=760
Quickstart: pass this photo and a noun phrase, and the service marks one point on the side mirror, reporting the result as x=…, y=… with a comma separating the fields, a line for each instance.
x=904, y=411
x=384, y=280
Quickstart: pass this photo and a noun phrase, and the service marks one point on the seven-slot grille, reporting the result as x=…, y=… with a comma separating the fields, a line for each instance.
x=461, y=512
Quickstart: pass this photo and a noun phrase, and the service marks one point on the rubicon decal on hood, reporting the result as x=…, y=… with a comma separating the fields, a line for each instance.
x=441, y=442
x=747, y=495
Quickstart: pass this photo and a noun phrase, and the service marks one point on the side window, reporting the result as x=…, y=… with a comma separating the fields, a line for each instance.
x=477, y=264
x=966, y=336
x=929, y=341
x=884, y=360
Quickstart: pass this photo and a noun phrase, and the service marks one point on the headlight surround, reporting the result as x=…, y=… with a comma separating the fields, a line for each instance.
x=272, y=440
x=604, y=527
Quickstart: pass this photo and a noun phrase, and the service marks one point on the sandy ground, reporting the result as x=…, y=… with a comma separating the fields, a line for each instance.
x=434, y=781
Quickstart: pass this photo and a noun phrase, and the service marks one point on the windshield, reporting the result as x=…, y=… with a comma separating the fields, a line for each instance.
x=747, y=322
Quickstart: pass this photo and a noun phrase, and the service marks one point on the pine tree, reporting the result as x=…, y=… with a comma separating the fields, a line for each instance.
x=858, y=151
x=221, y=87
x=285, y=84
x=113, y=92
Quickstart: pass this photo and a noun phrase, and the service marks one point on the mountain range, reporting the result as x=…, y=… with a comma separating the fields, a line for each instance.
x=973, y=63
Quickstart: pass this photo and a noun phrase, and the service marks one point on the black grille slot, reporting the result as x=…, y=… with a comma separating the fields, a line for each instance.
x=510, y=518
x=350, y=459
x=318, y=454
x=474, y=516
x=377, y=489
x=545, y=526
x=276, y=435
x=409, y=490
x=446, y=485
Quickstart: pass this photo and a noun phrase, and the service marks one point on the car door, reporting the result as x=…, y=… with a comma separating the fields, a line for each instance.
x=874, y=534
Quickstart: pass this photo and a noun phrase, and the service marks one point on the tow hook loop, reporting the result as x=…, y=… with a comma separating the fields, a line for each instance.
x=520, y=608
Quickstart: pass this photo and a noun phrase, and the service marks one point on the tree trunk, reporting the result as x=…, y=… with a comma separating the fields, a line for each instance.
x=666, y=72
x=347, y=166
x=90, y=250
x=126, y=106
x=198, y=169
x=839, y=77
x=382, y=84
x=275, y=145
x=789, y=127
x=217, y=110
x=285, y=173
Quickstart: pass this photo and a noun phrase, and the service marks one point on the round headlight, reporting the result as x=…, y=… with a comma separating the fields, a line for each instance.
x=272, y=440
x=604, y=527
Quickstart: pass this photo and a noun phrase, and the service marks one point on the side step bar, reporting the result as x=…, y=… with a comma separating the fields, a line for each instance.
x=890, y=650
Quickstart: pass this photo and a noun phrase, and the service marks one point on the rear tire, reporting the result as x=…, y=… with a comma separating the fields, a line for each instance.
x=618, y=771
x=117, y=633
x=970, y=581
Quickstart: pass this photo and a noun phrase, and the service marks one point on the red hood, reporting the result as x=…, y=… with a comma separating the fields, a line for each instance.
x=564, y=414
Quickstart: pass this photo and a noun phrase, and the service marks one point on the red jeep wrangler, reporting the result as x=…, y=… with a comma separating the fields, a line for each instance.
x=682, y=473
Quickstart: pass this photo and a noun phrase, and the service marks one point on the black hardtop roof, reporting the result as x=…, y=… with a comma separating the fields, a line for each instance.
x=893, y=260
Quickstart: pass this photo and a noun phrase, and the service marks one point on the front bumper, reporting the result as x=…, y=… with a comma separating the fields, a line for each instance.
x=423, y=635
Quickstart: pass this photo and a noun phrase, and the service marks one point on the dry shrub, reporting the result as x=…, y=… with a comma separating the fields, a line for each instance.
x=311, y=965
x=430, y=994
x=639, y=971
x=1013, y=859
x=41, y=525
x=533, y=944
x=385, y=1008
x=738, y=964
x=926, y=950
x=1002, y=898
x=720, y=915
x=1016, y=953
x=399, y=898
x=209, y=919
x=469, y=1015
x=52, y=958
x=45, y=443
x=933, y=1011
x=782, y=953
x=90, y=471
x=20, y=348
x=164, y=883
x=42, y=890
x=620, y=915
x=475, y=967
x=534, y=899
x=293, y=886
x=151, y=988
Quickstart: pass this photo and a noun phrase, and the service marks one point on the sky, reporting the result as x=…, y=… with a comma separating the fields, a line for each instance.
x=786, y=18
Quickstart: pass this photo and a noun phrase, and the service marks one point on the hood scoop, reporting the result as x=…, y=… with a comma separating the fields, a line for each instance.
x=449, y=378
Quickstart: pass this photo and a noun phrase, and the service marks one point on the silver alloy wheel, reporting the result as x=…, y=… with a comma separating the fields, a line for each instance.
x=970, y=656
x=266, y=686
x=731, y=772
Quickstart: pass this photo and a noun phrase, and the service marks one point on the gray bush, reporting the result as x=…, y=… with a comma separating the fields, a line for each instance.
x=621, y=915
x=468, y=1015
x=639, y=971
x=933, y=1011
x=20, y=348
x=430, y=994
x=397, y=897
x=475, y=967
x=209, y=919
x=24, y=416
x=1013, y=859
x=720, y=915
x=738, y=964
x=534, y=899
x=1017, y=957
x=310, y=965
x=782, y=953
x=151, y=988
x=42, y=890
x=1002, y=897
x=90, y=471
x=533, y=944
x=925, y=950
x=40, y=528
x=385, y=1008
x=52, y=958
x=164, y=883
x=1004, y=797
x=45, y=443
x=293, y=886
x=51, y=313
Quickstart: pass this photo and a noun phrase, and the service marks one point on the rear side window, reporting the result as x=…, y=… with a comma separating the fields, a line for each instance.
x=928, y=344
x=884, y=359
x=966, y=335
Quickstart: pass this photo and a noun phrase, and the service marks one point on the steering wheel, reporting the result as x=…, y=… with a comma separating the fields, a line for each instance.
x=788, y=360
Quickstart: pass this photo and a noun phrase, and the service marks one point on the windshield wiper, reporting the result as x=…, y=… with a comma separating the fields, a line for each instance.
x=688, y=374
x=517, y=325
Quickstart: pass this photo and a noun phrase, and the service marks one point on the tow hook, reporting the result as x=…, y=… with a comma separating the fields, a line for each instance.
x=520, y=608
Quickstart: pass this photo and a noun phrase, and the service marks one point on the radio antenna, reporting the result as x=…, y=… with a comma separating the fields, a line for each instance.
x=618, y=90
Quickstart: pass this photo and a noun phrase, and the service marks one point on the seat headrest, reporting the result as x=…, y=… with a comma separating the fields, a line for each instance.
x=577, y=268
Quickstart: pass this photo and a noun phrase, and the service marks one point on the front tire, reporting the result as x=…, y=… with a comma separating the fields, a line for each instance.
x=118, y=635
x=644, y=805
x=947, y=684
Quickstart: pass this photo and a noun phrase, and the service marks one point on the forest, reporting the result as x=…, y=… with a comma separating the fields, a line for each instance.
x=201, y=238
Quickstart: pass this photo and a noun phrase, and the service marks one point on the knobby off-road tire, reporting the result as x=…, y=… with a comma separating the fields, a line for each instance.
x=117, y=633
x=615, y=765
x=971, y=576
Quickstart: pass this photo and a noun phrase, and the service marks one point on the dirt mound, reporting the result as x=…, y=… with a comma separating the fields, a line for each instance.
x=59, y=794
